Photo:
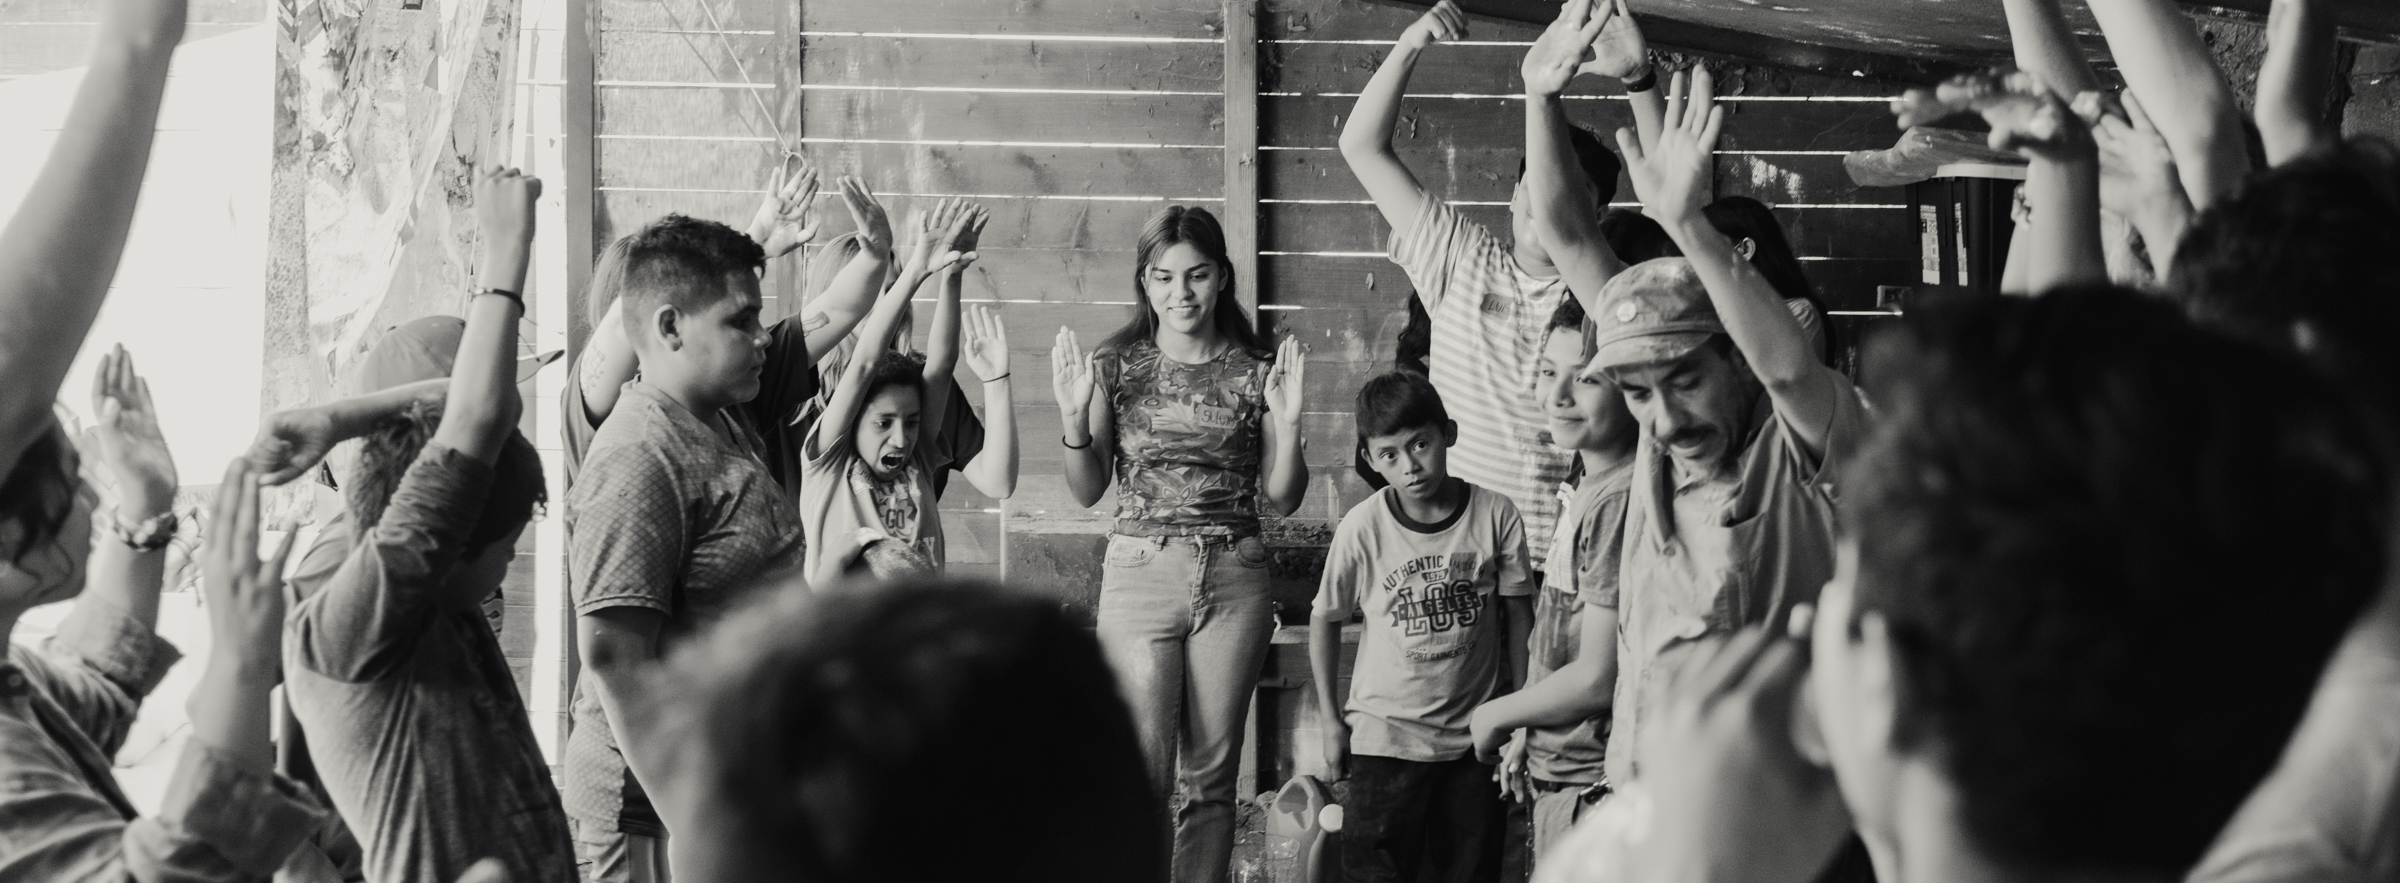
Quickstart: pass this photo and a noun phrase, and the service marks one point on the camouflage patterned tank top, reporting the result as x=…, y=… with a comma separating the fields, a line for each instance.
x=1190, y=440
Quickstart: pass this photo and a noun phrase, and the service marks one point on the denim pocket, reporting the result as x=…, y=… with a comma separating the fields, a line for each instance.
x=1129, y=551
x=1251, y=552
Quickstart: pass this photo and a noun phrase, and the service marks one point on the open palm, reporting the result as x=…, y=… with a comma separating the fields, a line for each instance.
x=1071, y=377
x=131, y=445
x=986, y=345
x=1285, y=394
x=1672, y=174
x=787, y=218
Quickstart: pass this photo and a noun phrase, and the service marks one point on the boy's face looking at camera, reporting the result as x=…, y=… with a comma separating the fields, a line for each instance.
x=887, y=430
x=1415, y=461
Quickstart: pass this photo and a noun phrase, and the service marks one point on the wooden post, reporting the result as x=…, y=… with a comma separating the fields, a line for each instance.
x=578, y=104
x=1241, y=149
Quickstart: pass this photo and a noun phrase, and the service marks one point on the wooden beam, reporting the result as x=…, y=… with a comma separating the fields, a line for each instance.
x=578, y=106
x=1732, y=44
x=1241, y=148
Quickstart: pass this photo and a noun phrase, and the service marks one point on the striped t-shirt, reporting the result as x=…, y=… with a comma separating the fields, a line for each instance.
x=1488, y=319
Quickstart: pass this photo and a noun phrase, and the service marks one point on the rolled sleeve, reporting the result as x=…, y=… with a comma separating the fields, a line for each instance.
x=217, y=812
x=98, y=666
x=114, y=645
x=1345, y=567
x=1516, y=564
x=1842, y=431
x=1597, y=578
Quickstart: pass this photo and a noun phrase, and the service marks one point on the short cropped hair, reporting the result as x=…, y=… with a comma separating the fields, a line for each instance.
x=2115, y=551
x=2309, y=240
x=834, y=727
x=1397, y=402
x=677, y=261
x=1600, y=164
x=516, y=492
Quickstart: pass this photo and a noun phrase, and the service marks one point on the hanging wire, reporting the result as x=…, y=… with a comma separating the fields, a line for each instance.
x=783, y=145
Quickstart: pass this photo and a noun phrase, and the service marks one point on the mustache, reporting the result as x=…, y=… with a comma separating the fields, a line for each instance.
x=1685, y=437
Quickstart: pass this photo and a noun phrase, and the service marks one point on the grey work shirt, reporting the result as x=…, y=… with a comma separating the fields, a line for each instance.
x=65, y=709
x=666, y=515
x=412, y=714
x=1760, y=544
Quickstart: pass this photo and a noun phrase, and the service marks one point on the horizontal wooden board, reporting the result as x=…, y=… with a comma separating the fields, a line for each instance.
x=1045, y=118
x=1342, y=284
x=1310, y=67
x=1353, y=229
x=1109, y=18
x=1012, y=64
x=895, y=168
x=692, y=15
x=1440, y=123
x=1489, y=174
x=656, y=56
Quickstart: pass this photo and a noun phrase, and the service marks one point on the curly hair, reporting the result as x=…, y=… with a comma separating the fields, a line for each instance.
x=384, y=456
x=833, y=726
x=2114, y=551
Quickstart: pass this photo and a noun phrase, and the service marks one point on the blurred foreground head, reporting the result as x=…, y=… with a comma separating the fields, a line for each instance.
x=921, y=730
x=2096, y=559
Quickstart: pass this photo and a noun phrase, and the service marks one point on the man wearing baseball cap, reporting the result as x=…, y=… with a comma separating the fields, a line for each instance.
x=1730, y=518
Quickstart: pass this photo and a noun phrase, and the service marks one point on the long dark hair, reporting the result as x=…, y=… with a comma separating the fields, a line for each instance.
x=1741, y=217
x=1193, y=226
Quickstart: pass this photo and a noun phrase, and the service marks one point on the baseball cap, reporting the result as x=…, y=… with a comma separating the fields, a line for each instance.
x=1655, y=311
x=422, y=349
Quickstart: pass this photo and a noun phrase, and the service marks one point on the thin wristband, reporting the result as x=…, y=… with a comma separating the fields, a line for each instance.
x=503, y=292
x=1647, y=82
x=1003, y=376
x=1087, y=443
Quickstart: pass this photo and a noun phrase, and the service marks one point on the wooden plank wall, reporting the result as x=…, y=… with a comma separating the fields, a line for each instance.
x=1073, y=120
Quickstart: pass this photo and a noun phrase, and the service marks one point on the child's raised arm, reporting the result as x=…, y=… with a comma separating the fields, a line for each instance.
x=1564, y=215
x=994, y=470
x=484, y=405
x=836, y=311
x=874, y=337
x=957, y=233
x=60, y=251
x=1366, y=140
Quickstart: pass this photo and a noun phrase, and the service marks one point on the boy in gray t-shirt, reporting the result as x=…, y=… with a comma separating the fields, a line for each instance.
x=1438, y=566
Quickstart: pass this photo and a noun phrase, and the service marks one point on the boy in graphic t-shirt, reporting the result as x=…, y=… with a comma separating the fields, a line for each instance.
x=1438, y=568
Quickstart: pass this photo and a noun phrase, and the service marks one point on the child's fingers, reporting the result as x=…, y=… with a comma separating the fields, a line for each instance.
x=245, y=518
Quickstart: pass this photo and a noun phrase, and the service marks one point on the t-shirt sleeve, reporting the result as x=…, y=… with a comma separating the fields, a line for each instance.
x=387, y=588
x=1516, y=563
x=1345, y=567
x=1842, y=431
x=1600, y=552
x=1436, y=243
x=627, y=532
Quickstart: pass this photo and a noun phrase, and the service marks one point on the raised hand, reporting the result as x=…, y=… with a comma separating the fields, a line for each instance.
x=1672, y=174
x=986, y=344
x=1564, y=49
x=2137, y=170
x=874, y=226
x=1620, y=51
x=2025, y=115
x=504, y=200
x=787, y=218
x=131, y=446
x=1443, y=23
x=289, y=443
x=243, y=594
x=1071, y=377
x=966, y=232
x=1285, y=383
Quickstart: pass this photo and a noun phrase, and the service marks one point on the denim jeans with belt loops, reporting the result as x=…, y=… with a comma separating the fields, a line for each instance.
x=1185, y=623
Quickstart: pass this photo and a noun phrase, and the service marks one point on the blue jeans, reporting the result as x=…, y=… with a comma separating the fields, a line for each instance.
x=1185, y=622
